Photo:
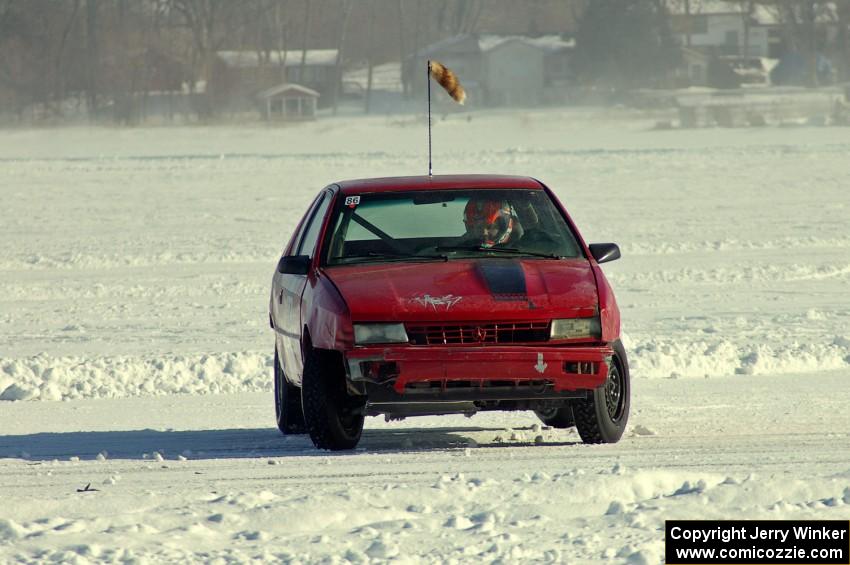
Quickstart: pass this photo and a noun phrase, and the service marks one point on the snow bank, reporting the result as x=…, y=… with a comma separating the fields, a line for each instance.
x=64, y=378
x=664, y=358
x=42, y=377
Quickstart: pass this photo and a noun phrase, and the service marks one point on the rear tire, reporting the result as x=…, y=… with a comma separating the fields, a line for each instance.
x=560, y=418
x=602, y=417
x=287, y=403
x=333, y=417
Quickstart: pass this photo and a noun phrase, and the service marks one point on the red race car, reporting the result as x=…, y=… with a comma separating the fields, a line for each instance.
x=412, y=296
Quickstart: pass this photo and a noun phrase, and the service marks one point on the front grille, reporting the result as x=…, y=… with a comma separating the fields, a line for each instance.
x=478, y=334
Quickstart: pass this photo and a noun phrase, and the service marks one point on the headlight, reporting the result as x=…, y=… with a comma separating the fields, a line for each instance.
x=365, y=334
x=571, y=328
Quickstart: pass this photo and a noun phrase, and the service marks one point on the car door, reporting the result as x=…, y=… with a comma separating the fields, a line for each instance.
x=290, y=287
x=277, y=308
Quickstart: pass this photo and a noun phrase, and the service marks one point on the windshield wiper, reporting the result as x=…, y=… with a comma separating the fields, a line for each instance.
x=392, y=256
x=508, y=250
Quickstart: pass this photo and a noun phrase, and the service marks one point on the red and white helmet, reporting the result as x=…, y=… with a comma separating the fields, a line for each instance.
x=493, y=220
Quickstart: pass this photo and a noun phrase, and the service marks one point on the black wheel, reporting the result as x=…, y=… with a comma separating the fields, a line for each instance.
x=602, y=418
x=334, y=418
x=557, y=417
x=287, y=403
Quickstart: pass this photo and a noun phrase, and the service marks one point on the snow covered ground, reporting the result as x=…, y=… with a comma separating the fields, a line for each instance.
x=134, y=274
x=198, y=477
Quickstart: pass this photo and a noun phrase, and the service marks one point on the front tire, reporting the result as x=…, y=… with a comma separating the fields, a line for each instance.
x=287, y=403
x=333, y=417
x=602, y=417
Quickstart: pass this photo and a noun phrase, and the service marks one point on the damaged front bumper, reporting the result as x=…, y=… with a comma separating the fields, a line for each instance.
x=405, y=373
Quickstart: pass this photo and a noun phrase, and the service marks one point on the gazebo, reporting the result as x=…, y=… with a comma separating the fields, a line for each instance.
x=288, y=101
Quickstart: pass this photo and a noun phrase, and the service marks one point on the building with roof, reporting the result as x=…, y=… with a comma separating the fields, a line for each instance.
x=288, y=101
x=726, y=28
x=499, y=70
x=241, y=75
x=750, y=37
x=741, y=28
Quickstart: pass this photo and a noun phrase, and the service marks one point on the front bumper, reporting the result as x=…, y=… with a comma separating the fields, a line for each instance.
x=410, y=370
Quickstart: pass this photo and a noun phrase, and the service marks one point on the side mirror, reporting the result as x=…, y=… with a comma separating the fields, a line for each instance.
x=604, y=252
x=293, y=265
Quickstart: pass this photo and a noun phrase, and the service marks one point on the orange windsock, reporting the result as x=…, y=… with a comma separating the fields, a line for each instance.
x=448, y=80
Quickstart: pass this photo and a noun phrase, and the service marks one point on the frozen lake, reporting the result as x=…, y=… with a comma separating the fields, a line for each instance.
x=137, y=263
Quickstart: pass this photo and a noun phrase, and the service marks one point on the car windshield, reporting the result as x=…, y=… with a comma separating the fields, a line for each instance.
x=447, y=224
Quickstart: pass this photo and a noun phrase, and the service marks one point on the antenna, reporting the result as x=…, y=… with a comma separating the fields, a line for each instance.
x=428, y=80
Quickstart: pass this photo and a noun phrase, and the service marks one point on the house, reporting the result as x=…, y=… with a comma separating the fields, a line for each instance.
x=741, y=28
x=240, y=75
x=727, y=28
x=720, y=27
x=386, y=95
x=288, y=101
x=748, y=37
x=726, y=43
x=499, y=70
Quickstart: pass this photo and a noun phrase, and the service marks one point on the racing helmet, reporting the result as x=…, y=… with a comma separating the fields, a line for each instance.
x=493, y=221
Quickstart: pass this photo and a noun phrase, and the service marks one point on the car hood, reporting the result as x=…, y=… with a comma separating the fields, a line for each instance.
x=485, y=289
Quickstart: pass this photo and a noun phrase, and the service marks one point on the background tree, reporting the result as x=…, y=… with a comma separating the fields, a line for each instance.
x=842, y=16
x=806, y=36
x=625, y=44
x=35, y=47
x=209, y=22
x=340, y=46
x=121, y=59
x=458, y=16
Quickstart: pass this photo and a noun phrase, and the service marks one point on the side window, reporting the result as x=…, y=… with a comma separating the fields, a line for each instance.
x=308, y=241
x=296, y=239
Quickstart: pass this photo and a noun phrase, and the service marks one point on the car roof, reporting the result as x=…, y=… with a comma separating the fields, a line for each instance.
x=437, y=182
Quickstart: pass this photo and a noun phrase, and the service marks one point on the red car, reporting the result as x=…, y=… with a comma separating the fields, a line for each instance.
x=412, y=296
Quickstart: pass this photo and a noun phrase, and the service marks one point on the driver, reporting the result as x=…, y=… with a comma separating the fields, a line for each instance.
x=491, y=222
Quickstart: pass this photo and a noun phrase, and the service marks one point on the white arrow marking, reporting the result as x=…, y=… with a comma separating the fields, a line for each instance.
x=541, y=366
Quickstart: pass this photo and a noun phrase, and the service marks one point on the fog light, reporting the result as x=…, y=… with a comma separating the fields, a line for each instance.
x=581, y=367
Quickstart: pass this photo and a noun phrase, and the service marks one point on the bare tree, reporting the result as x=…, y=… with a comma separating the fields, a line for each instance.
x=799, y=19
x=35, y=41
x=371, y=56
x=402, y=53
x=59, y=77
x=280, y=36
x=19, y=74
x=204, y=19
x=747, y=8
x=458, y=16
x=265, y=30
x=407, y=66
x=842, y=16
x=93, y=56
x=306, y=35
x=340, y=46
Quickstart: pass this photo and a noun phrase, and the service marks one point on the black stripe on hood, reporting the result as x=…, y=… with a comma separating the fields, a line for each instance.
x=504, y=279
